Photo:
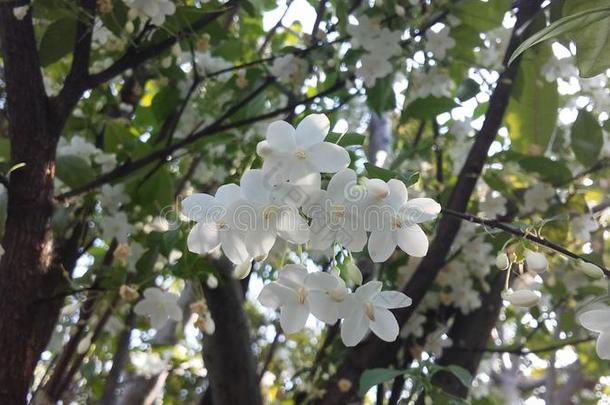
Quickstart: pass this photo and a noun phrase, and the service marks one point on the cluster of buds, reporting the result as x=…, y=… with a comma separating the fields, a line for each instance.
x=204, y=321
x=534, y=262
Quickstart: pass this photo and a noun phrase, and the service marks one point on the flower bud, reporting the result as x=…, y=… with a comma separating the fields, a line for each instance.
x=199, y=307
x=241, y=271
x=521, y=298
x=263, y=149
x=354, y=273
x=536, y=261
x=128, y=293
x=121, y=253
x=591, y=270
x=502, y=261
x=212, y=282
x=84, y=344
x=344, y=385
x=129, y=27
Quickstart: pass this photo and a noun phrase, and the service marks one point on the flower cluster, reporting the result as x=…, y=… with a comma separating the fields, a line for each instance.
x=156, y=10
x=284, y=200
x=245, y=220
x=381, y=44
x=298, y=293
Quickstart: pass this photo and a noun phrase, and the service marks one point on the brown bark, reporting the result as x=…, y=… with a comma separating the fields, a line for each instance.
x=26, y=274
x=375, y=353
x=227, y=353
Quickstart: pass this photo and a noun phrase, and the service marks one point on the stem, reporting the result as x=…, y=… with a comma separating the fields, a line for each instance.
x=508, y=228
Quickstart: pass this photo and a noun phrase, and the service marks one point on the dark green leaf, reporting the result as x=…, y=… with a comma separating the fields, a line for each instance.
x=377, y=172
x=74, y=170
x=380, y=97
x=467, y=90
x=57, y=41
x=372, y=377
x=429, y=107
x=165, y=102
x=587, y=138
x=550, y=171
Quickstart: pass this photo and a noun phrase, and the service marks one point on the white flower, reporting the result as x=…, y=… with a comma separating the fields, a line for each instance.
x=536, y=198
x=536, y=261
x=370, y=310
x=107, y=161
x=21, y=11
x=493, y=204
x=289, y=68
x=160, y=306
x=77, y=146
x=521, y=298
x=393, y=220
x=113, y=197
x=273, y=214
x=217, y=223
x=372, y=68
x=116, y=226
x=598, y=320
x=147, y=364
x=362, y=34
x=555, y=69
x=384, y=43
x=156, y=10
x=298, y=293
x=291, y=155
x=502, y=261
x=439, y=42
x=434, y=82
x=461, y=129
x=582, y=227
x=206, y=64
x=336, y=214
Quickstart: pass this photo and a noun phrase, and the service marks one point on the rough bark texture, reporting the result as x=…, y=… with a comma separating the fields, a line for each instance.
x=470, y=331
x=227, y=353
x=375, y=353
x=26, y=274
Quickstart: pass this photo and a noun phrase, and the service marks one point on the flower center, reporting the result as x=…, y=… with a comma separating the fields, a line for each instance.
x=370, y=311
x=300, y=154
x=338, y=294
x=338, y=210
x=221, y=224
x=396, y=222
x=269, y=211
x=301, y=295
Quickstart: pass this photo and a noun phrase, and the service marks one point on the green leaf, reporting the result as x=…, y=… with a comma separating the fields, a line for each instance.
x=157, y=192
x=165, y=102
x=377, y=172
x=587, y=138
x=592, y=39
x=380, y=97
x=73, y=170
x=566, y=24
x=461, y=374
x=467, y=90
x=57, y=41
x=348, y=139
x=372, y=377
x=550, y=171
x=532, y=114
x=483, y=16
x=429, y=107
x=115, y=20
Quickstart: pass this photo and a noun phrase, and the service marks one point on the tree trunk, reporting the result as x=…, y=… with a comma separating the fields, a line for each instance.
x=26, y=273
x=227, y=353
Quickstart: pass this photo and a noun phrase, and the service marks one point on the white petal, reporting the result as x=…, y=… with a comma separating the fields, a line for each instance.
x=367, y=291
x=353, y=237
x=327, y=157
x=259, y=242
x=420, y=210
x=227, y=194
x=536, y=261
x=255, y=186
x=292, y=227
x=323, y=307
x=385, y=325
x=196, y=206
x=312, y=130
x=292, y=275
x=153, y=294
x=412, y=240
x=203, y=238
x=602, y=346
x=274, y=295
x=398, y=193
x=234, y=246
x=143, y=307
x=281, y=136
x=293, y=318
x=381, y=245
x=391, y=299
x=354, y=328
x=377, y=188
x=341, y=184
x=321, y=281
x=596, y=320
x=174, y=312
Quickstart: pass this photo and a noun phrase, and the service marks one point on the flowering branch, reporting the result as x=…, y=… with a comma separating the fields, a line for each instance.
x=508, y=228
